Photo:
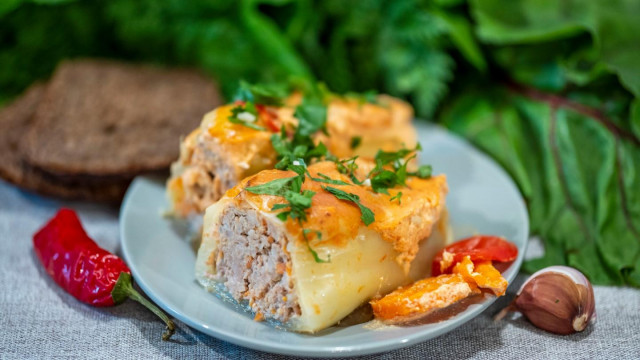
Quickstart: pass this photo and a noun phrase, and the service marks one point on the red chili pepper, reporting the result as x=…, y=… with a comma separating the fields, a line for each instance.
x=85, y=270
x=479, y=248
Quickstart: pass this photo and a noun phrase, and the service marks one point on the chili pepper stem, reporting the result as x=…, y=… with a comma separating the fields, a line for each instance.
x=124, y=290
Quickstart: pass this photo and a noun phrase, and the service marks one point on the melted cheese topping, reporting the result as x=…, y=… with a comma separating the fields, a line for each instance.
x=403, y=225
x=270, y=118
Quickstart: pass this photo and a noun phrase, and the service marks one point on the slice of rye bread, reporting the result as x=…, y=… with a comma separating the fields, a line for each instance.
x=15, y=119
x=101, y=118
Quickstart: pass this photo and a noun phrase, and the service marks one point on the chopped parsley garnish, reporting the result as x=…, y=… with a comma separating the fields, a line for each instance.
x=290, y=189
x=317, y=258
x=252, y=95
x=312, y=117
x=297, y=201
x=383, y=178
x=264, y=94
x=346, y=166
x=245, y=114
x=297, y=204
x=327, y=180
x=398, y=197
x=355, y=142
x=367, y=215
x=294, y=152
x=370, y=97
x=275, y=187
x=424, y=172
x=295, y=149
x=290, y=150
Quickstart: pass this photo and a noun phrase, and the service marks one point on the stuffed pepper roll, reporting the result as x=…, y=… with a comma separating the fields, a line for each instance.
x=309, y=271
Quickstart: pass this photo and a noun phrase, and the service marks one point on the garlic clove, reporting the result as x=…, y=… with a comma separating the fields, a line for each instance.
x=558, y=299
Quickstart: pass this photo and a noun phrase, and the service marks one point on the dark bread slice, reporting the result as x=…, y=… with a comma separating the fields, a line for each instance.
x=15, y=119
x=110, y=119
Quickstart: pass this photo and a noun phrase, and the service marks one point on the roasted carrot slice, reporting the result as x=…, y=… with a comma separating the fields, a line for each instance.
x=482, y=274
x=423, y=297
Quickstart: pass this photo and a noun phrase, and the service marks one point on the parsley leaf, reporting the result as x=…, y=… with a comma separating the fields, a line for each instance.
x=289, y=150
x=313, y=252
x=386, y=157
x=383, y=180
x=264, y=94
x=327, y=180
x=346, y=166
x=290, y=189
x=275, y=187
x=297, y=204
x=312, y=117
x=246, y=115
x=398, y=197
x=367, y=215
x=424, y=171
x=370, y=96
x=355, y=142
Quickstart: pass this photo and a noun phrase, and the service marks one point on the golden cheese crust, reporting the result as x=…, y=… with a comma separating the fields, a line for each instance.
x=403, y=224
x=385, y=125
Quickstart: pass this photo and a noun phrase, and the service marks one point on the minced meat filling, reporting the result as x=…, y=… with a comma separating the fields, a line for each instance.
x=253, y=264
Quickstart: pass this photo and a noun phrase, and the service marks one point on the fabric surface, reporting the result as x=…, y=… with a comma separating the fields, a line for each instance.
x=40, y=321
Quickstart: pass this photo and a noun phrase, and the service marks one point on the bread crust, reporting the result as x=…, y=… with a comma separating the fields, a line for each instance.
x=15, y=119
x=110, y=119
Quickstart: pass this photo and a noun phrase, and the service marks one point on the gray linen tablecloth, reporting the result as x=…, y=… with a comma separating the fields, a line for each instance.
x=39, y=320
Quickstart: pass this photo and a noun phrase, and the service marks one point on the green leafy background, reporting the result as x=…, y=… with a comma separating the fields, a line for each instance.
x=549, y=88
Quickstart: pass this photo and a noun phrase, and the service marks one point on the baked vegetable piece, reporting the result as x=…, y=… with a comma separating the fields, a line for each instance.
x=310, y=274
x=220, y=153
x=414, y=301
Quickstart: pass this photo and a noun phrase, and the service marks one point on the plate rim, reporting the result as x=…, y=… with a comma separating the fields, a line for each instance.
x=325, y=351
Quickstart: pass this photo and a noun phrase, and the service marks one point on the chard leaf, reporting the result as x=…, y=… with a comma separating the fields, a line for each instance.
x=613, y=25
x=583, y=198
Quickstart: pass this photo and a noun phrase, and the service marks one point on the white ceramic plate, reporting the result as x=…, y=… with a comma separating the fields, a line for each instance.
x=482, y=199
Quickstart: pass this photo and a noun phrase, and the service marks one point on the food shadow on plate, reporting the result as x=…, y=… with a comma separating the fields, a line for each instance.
x=189, y=230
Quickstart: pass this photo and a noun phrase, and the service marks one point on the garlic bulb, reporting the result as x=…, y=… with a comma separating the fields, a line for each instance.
x=558, y=299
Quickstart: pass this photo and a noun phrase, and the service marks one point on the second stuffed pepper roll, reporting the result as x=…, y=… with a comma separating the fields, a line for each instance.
x=229, y=146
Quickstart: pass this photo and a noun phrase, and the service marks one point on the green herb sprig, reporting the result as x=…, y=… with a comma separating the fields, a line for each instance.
x=367, y=215
x=265, y=94
x=383, y=178
x=312, y=118
x=316, y=257
x=355, y=142
x=398, y=197
x=246, y=114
